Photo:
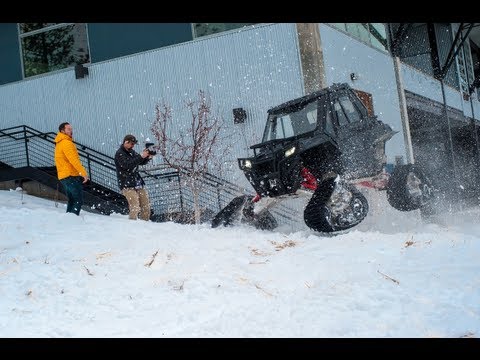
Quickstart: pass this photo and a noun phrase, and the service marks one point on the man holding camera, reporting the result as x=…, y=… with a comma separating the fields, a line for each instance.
x=130, y=182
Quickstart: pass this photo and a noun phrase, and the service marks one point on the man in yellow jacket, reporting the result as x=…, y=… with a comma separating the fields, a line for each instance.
x=70, y=170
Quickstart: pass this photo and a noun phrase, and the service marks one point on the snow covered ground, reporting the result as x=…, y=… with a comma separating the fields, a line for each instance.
x=63, y=276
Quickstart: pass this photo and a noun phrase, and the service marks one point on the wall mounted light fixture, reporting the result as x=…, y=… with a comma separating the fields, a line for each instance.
x=80, y=71
x=239, y=116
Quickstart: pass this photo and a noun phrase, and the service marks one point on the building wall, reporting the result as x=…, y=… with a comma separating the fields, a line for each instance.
x=419, y=83
x=112, y=40
x=10, y=68
x=255, y=68
x=106, y=41
x=344, y=55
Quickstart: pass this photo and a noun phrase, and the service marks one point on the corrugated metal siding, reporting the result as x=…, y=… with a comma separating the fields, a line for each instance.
x=255, y=68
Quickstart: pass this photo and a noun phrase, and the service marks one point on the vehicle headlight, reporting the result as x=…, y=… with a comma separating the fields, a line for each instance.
x=290, y=151
x=247, y=164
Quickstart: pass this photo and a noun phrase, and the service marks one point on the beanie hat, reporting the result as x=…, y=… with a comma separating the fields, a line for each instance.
x=130, y=138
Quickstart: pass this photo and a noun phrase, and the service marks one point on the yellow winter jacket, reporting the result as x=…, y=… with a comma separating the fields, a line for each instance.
x=67, y=159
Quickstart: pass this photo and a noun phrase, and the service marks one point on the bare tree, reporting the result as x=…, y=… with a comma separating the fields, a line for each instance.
x=195, y=151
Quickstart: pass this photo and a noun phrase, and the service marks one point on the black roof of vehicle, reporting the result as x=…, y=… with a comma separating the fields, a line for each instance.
x=307, y=98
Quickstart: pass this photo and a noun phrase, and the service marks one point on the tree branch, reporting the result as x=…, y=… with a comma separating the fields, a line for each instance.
x=388, y=277
x=153, y=259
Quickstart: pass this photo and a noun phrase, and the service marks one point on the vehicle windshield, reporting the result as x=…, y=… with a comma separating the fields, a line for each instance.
x=292, y=123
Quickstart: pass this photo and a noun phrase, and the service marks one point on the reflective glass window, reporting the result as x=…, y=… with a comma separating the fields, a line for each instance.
x=373, y=34
x=204, y=29
x=54, y=48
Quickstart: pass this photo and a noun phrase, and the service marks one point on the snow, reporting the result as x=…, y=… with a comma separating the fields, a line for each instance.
x=67, y=276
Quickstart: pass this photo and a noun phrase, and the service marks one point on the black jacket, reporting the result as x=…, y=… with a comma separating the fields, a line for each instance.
x=126, y=163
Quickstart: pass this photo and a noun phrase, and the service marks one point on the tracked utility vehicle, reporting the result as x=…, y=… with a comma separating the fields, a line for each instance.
x=323, y=146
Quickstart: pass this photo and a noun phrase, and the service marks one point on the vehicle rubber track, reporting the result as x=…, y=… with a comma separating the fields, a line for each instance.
x=324, y=215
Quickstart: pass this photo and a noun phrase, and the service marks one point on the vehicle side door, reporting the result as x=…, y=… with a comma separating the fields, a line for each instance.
x=357, y=135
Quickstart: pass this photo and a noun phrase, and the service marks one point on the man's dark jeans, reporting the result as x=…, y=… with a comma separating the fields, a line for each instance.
x=73, y=189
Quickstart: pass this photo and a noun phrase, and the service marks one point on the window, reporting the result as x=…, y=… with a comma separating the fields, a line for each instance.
x=329, y=128
x=414, y=46
x=346, y=111
x=465, y=68
x=48, y=47
x=349, y=109
x=27, y=27
x=204, y=29
x=373, y=34
x=296, y=122
x=341, y=117
x=312, y=118
x=278, y=127
x=286, y=128
x=475, y=53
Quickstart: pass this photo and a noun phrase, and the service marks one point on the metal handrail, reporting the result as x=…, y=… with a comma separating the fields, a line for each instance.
x=163, y=183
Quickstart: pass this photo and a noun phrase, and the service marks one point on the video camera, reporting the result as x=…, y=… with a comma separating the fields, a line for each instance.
x=150, y=149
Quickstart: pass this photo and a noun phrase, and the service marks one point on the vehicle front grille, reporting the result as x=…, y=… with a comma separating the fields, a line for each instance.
x=263, y=168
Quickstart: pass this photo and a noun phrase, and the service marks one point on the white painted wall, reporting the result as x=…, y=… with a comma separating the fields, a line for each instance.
x=344, y=55
x=424, y=85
